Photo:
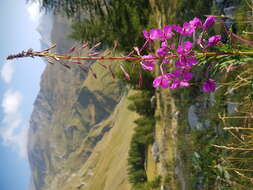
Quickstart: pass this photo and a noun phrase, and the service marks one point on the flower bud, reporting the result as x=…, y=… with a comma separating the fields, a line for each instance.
x=214, y=40
x=210, y=21
x=209, y=85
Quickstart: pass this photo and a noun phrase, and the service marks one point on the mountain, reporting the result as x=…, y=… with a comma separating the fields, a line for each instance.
x=44, y=29
x=72, y=113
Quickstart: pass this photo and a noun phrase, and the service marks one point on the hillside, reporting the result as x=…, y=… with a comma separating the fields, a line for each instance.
x=64, y=126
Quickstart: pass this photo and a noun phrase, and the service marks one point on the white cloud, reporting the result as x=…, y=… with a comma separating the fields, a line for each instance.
x=7, y=72
x=12, y=132
x=34, y=11
x=11, y=101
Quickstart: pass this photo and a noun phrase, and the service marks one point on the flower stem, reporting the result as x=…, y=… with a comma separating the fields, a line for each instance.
x=65, y=57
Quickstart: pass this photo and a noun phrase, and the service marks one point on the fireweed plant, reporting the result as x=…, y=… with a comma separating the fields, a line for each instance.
x=179, y=48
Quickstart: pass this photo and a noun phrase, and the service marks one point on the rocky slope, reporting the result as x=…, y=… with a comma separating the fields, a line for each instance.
x=64, y=126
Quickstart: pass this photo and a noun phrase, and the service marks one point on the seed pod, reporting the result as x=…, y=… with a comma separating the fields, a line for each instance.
x=71, y=50
x=140, y=79
x=84, y=45
x=110, y=70
x=84, y=68
x=94, y=54
x=65, y=65
x=77, y=62
x=102, y=65
x=95, y=46
x=93, y=73
x=56, y=58
x=46, y=50
x=50, y=62
x=125, y=73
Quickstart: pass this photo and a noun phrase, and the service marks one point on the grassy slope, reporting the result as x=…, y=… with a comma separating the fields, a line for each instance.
x=106, y=168
x=108, y=141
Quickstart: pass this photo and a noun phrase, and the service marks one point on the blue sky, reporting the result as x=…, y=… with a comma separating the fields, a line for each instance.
x=19, y=85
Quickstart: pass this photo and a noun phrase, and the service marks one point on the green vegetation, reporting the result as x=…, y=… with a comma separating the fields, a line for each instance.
x=143, y=136
x=150, y=185
x=243, y=25
x=107, y=21
x=221, y=158
x=141, y=103
x=225, y=158
x=71, y=8
x=122, y=21
x=192, y=8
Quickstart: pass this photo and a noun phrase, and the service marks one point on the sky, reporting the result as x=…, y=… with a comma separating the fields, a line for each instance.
x=19, y=86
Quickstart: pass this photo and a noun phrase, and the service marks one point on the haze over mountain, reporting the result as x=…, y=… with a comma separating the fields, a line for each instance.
x=44, y=28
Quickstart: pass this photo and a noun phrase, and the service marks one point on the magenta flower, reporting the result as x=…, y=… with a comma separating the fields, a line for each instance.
x=179, y=77
x=162, y=52
x=165, y=60
x=167, y=31
x=186, y=58
x=210, y=21
x=214, y=40
x=185, y=48
x=164, y=44
x=196, y=22
x=182, y=74
x=159, y=34
x=186, y=62
x=209, y=85
x=179, y=83
x=146, y=34
x=149, y=63
x=187, y=29
x=177, y=28
x=156, y=34
x=161, y=81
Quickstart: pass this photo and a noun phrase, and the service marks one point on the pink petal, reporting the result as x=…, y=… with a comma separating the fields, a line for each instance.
x=157, y=81
x=164, y=83
x=184, y=83
x=148, y=66
x=146, y=34
x=156, y=34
